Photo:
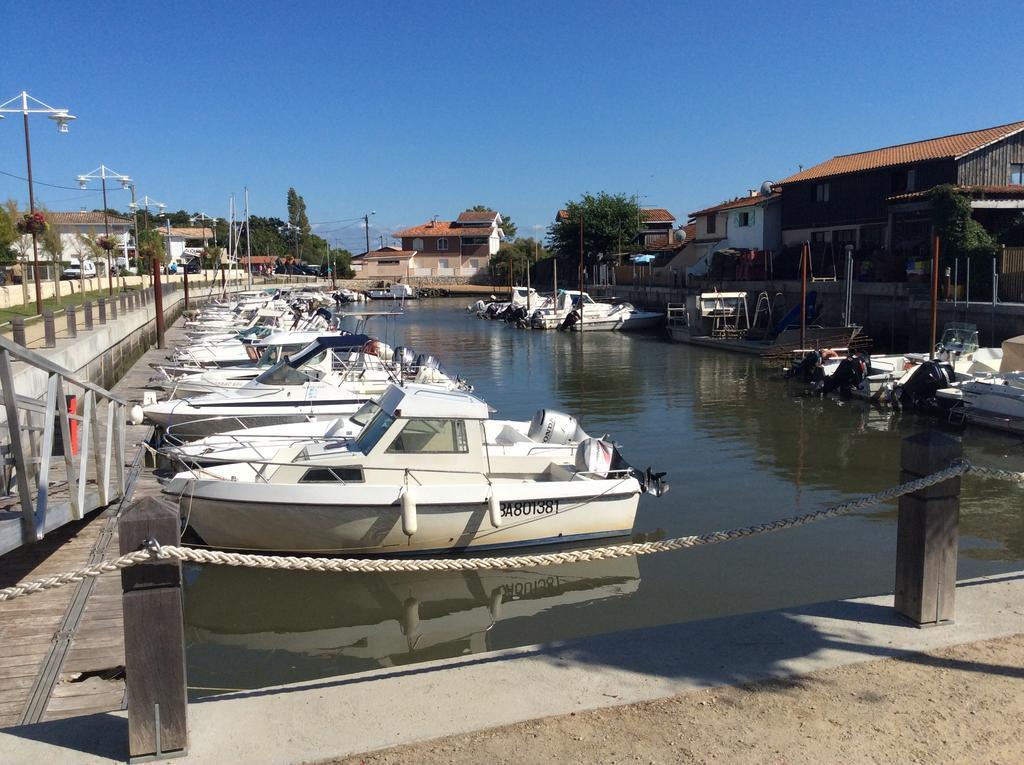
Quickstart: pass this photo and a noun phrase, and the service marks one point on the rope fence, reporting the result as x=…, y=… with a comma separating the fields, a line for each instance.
x=153, y=552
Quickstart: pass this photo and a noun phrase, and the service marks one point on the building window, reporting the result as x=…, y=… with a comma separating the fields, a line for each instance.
x=474, y=263
x=745, y=219
x=429, y=436
x=388, y=262
x=417, y=244
x=872, y=237
x=711, y=223
x=903, y=181
x=442, y=244
x=1017, y=173
x=843, y=237
x=473, y=240
x=442, y=263
x=821, y=192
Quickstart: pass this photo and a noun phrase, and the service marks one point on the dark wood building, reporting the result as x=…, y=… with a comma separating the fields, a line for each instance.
x=876, y=200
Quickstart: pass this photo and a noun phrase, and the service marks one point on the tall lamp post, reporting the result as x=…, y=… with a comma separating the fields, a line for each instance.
x=25, y=105
x=145, y=203
x=103, y=172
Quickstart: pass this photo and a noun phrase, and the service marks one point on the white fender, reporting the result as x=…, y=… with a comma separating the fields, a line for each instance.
x=409, y=524
x=494, y=509
x=411, y=618
x=136, y=415
x=494, y=605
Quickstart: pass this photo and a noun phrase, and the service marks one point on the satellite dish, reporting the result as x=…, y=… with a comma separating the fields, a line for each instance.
x=766, y=189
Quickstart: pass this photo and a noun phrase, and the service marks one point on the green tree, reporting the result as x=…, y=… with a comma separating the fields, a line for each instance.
x=8, y=234
x=342, y=262
x=300, y=228
x=608, y=221
x=961, y=235
x=151, y=247
x=506, y=220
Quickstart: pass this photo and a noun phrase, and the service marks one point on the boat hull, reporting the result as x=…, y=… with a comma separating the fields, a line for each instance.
x=309, y=519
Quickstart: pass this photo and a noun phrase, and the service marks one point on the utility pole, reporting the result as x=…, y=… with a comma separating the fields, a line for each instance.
x=366, y=225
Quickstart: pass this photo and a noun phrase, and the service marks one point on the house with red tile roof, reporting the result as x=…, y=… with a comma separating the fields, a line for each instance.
x=656, y=232
x=74, y=227
x=746, y=229
x=438, y=248
x=876, y=200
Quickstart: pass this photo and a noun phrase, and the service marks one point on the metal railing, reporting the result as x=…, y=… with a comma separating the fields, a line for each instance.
x=32, y=426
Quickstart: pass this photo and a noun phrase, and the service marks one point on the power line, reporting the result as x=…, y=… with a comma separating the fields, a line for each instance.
x=51, y=185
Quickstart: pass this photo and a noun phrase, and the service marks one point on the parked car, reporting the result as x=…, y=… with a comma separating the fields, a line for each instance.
x=306, y=270
x=193, y=266
x=74, y=271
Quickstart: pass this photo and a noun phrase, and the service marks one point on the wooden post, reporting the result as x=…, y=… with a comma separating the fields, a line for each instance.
x=154, y=636
x=935, y=296
x=928, y=531
x=49, y=330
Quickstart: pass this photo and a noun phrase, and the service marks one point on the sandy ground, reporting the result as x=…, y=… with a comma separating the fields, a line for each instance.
x=959, y=705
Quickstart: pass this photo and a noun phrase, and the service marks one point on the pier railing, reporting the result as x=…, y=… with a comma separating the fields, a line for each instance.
x=39, y=430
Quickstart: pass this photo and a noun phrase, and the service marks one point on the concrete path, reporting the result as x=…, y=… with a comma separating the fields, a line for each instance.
x=359, y=713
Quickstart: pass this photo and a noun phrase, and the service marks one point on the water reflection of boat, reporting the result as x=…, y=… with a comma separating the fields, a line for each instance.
x=333, y=625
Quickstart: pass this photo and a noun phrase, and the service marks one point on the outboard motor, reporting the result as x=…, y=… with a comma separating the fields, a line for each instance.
x=808, y=370
x=551, y=427
x=848, y=375
x=570, y=319
x=916, y=389
x=426, y=361
x=405, y=357
x=603, y=459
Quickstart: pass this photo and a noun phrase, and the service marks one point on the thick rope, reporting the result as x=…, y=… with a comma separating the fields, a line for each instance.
x=155, y=552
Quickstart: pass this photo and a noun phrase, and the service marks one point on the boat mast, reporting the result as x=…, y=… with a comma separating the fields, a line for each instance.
x=805, y=254
x=935, y=295
x=581, y=272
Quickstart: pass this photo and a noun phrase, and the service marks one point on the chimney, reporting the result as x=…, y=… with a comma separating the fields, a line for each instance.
x=752, y=192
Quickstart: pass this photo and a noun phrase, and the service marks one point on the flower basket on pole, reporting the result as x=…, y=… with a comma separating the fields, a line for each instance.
x=33, y=224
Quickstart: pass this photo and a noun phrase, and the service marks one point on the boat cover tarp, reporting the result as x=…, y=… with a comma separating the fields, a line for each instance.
x=1013, y=355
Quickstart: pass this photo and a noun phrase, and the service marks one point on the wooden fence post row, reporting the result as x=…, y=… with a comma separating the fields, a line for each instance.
x=154, y=636
x=928, y=530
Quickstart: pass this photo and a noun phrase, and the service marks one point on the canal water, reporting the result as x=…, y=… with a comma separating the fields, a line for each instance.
x=740, y=447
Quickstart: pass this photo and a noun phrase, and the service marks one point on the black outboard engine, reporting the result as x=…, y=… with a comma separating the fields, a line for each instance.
x=650, y=482
x=848, y=375
x=570, y=320
x=808, y=370
x=918, y=390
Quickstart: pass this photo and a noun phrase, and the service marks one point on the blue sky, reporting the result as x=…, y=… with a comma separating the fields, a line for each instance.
x=415, y=109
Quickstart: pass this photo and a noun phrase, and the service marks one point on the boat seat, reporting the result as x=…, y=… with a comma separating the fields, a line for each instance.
x=508, y=436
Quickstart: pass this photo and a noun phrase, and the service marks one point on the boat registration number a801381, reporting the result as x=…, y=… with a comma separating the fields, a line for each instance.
x=529, y=507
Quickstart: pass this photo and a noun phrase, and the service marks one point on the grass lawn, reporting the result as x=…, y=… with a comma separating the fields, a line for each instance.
x=28, y=311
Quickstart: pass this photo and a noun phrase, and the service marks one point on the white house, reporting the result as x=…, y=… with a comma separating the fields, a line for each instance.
x=748, y=227
x=185, y=243
x=74, y=227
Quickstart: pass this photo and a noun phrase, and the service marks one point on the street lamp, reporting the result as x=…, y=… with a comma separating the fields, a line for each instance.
x=204, y=217
x=103, y=172
x=20, y=104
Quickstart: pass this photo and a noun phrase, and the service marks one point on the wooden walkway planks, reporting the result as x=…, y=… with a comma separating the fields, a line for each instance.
x=86, y=680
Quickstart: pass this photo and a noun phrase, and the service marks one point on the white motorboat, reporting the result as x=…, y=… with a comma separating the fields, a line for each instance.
x=522, y=297
x=333, y=376
x=558, y=314
x=549, y=432
x=993, y=400
x=394, y=292
x=419, y=478
x=622, y=318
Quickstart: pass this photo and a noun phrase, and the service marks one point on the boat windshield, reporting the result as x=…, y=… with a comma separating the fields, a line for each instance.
x=373, y=431
x=365, y=413
x=284, y=373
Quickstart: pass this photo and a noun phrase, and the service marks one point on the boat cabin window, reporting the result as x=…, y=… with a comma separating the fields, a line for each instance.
x=430, y=436
x=285, y=374
x=373, y=430
x=332, y=475
x=365, y=413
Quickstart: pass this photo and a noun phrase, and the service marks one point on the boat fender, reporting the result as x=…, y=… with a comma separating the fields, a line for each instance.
x=411, y=617
x=409, y=523
x=136, y=415
x=494, y=606
x=494, y=510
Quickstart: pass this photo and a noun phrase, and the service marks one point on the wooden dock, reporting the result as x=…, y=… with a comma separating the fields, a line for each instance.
x=64, y=649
